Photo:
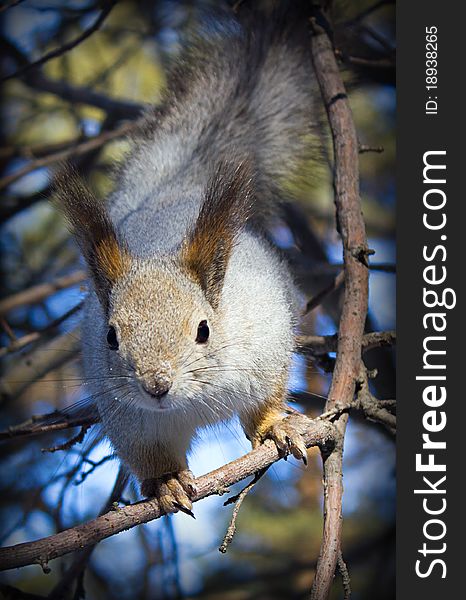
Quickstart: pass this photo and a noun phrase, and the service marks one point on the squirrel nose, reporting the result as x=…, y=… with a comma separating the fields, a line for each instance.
x=157, y=386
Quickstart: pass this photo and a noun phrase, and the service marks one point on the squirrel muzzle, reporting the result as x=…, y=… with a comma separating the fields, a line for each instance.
x=157, y=384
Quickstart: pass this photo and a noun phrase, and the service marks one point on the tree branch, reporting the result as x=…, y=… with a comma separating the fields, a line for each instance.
x=355, y=253
x=72, y=93
x=122, y=109
x=77, y=567
x=66, y=47
x=372, y=408
x=321, y=344
x=35, y=365
x=317, y=433
x=76, y=439
x=72, y=151
x=36, y=336
x=238, y=501
x=40, y=292
x=318, y=298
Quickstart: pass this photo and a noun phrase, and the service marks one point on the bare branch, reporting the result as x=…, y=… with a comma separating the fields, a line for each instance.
x=93, y=466
x=66, y=47
x=69, y=152
x=378, y=339
x=318, y=433
x=35, y=365
x=71, y=93
x=40, y=292
x=372, y=408
x=345, y=578
x=36, y=336
x=77, y=439
x=359, y=61
x=321, y=344
x=318, y=298
x=48, y=424
x=238, y=500
x=355, y=252
x=19, y=343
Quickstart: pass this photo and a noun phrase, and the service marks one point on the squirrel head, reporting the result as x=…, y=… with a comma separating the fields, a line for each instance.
x=163, y=313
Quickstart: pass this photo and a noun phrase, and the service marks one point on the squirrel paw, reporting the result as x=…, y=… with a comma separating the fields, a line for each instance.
x=287, y=435
x=173, y=491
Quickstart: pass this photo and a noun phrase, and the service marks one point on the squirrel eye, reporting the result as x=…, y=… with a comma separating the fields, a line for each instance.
x=112, y=339
x=202, y=333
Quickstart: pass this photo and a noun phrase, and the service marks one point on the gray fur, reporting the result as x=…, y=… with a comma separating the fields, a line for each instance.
x=240, y=95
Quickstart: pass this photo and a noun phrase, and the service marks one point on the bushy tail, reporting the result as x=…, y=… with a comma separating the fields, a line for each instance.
x=245, y=89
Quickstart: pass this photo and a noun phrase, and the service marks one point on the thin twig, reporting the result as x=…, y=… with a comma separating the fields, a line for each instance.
x=318, y=298
x=363, y=148
x=372, y=408
x=94, y=466
x=8, y=330
x=66, y=47
x=238, y=500
x=77, y=439
x=322, y=344
x=35, y=336
x=336, y=411
x=49, y=424
x=370, y=63
x=70, y=152
x=345, y=577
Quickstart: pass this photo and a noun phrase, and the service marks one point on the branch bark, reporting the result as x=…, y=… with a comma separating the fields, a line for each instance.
x=374, y=409
x=321, y=344
x=318, y=432
x=355, y=253
x=40, y=292
x=50, y=423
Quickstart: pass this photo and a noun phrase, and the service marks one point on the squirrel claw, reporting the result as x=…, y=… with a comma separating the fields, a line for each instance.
x=173, y=491
x=184, y=509
x=286, y=434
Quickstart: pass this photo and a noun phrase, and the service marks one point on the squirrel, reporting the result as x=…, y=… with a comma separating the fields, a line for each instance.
x=191, y=313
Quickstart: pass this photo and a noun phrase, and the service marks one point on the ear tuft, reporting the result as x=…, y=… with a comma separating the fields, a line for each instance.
x=108, y=257
x=224, y=212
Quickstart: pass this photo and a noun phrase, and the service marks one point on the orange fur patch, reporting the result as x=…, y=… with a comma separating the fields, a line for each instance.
x=225, y=210
x=113, y=261
x=107, y=256
x=258, y=422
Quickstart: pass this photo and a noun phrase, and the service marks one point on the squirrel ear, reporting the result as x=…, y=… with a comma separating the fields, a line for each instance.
x=107, y=257
x=224, y=212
